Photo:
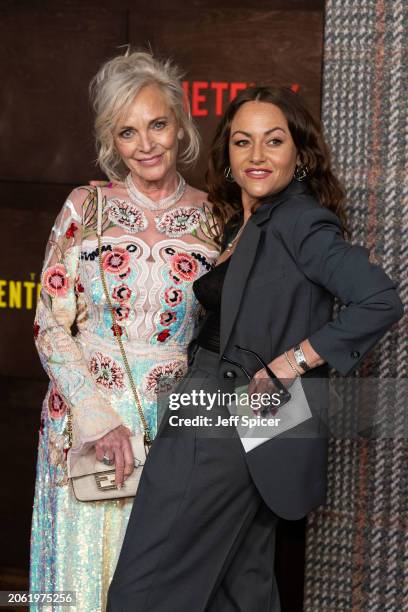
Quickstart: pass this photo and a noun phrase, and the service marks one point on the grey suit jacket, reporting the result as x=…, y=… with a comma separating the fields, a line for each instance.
x=290, y=262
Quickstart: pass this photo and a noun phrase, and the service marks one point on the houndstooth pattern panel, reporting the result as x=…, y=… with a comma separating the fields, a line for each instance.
x=357, y=549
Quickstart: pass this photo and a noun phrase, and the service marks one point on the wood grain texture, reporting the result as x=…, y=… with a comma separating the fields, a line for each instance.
x=27, y=233
x=28, y=211
x=47, y=58
x=20, y=405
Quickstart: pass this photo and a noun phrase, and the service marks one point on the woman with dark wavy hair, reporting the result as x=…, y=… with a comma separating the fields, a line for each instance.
x=284, y=259
x=308, y=140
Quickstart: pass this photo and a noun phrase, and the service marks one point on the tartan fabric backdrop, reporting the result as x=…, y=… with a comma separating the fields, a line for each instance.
x=357, y=545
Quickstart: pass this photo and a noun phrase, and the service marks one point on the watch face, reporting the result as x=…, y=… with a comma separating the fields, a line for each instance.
x=300, y=358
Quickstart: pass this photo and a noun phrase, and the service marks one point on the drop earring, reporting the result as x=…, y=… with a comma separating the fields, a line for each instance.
x=300, y=173
x=228, y=175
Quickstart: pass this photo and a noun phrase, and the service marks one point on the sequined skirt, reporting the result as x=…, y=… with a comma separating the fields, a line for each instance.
x=75, y=545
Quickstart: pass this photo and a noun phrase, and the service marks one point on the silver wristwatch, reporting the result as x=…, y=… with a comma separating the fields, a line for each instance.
x=300, y=357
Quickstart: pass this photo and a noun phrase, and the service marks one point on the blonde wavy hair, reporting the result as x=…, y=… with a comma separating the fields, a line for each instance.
x=113, y=89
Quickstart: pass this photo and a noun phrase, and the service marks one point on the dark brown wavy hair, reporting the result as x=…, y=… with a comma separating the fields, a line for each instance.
x=308, y=138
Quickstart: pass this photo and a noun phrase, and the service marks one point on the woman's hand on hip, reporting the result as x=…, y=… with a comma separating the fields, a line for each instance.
x=286, y=368
x=116, y=446
x=261, y=383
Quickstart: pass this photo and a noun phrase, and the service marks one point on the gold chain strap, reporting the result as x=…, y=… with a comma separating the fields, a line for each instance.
x=116, y=328
x=117, y=332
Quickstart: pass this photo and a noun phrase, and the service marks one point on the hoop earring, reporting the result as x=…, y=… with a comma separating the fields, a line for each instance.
x=300, y=173
x=228, y=175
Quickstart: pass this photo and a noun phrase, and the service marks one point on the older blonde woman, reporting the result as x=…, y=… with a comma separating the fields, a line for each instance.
x=155, y=244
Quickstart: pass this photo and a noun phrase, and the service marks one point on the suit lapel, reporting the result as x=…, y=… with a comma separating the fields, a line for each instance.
x=236, y=278
x=270, y=203
x=244, y=255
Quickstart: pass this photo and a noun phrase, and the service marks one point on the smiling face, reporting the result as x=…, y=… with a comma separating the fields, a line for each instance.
x=262, y=153
x=147, y=137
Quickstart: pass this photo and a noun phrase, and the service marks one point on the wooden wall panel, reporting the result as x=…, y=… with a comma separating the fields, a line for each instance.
x=27, y=231
x=20, y=406
x=47, y=58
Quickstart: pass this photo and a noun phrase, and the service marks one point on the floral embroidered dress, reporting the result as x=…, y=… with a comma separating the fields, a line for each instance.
x=151, y=253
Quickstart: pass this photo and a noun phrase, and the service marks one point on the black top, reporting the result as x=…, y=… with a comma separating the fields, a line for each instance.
x=208, y=290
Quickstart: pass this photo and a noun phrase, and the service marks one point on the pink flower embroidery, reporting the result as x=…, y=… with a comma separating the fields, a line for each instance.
x=168, y=317
x=56, y=404
x=122, y=293
x=127, y=215
x=122, y=312
x=179, y=221
x=106, y=372
x=163, y=377
x=184, y=267
x=55, y=281
x=116, y=261
x=173, y=296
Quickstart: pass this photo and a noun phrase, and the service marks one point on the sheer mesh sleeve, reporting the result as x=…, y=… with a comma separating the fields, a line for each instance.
x=61, y=357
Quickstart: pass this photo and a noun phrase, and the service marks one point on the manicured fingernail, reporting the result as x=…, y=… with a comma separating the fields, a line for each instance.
x=109, y=185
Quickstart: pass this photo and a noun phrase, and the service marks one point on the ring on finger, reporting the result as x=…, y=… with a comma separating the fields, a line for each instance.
x=107, y=460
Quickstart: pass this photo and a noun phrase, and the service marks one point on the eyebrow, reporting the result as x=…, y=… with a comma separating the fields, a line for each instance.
x=266, y=133
x=130, y=127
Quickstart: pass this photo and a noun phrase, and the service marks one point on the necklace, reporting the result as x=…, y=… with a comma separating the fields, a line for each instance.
x=140, y=198
x=232, y=242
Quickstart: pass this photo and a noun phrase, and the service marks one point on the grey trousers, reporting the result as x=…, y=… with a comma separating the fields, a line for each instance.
x=199, y=538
